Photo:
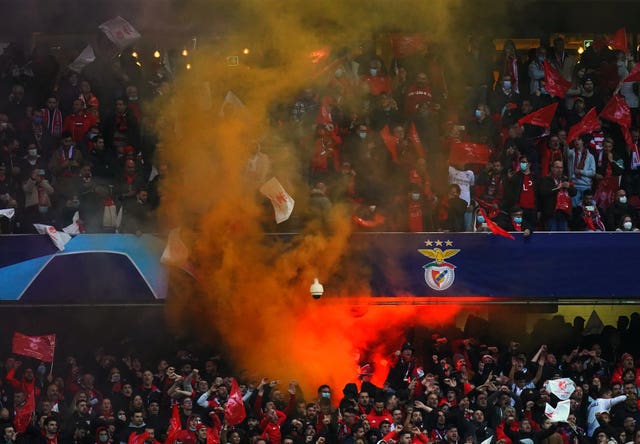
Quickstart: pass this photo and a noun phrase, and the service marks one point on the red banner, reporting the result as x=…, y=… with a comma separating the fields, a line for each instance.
x=234, y=412
x=469, y=152
x=634, y=75
x=39, y=347
x=555, y=84
x=589, y=123
x=543, y=117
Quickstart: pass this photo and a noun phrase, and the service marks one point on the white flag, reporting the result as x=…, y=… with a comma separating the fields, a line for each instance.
x=560, y=413
x=176, y=252
x=120, y=32
x=488, y=440
x=59, y=239
x=86, y=56
x=230, y=99
x=280, y=199
x=8, y=213
x=74, y=227
x=562, y=388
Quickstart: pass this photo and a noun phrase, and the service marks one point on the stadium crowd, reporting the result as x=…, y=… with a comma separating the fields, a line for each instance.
x=377, y=136
x=454, y=386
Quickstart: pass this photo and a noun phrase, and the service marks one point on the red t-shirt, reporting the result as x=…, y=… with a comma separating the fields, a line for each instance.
x=527, y=195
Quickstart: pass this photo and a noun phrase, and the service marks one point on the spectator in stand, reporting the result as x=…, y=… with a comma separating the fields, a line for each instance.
x=581, y=168
x=556, y=193
x=376, y=81
x=78, y=123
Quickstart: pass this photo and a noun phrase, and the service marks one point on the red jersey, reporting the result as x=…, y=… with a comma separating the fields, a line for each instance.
x=527, y=194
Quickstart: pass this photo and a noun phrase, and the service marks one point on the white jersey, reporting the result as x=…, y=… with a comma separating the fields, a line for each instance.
x=465, y=179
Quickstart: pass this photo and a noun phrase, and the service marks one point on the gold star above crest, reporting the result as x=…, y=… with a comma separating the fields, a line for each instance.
x=448, y=243
x=438, y=243
x=428, y=243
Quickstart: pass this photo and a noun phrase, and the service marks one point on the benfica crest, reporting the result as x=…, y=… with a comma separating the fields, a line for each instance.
x=439, y=274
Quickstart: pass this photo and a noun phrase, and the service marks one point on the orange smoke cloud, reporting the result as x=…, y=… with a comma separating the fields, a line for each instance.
x=253, y=290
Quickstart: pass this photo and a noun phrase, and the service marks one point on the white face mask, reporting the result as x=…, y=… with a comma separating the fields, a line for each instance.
x=589, y=207
x=415, y=196
x=627, y=225
x=372, y=208
x=622, y=199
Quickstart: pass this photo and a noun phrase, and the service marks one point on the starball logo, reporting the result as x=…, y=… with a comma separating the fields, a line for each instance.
x=439, y=274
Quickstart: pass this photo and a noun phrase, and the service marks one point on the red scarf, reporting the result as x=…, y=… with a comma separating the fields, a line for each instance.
x=578, y=163
x=53, y=125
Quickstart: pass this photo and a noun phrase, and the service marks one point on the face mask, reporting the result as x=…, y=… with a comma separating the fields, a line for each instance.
x=37, y=120
x=622, y=199
x=372, y=208
x=541, y=59
x=92, y=136
x=325, y=394
x=543, y=91
x=103, y=438
x=523, y=165
x=589, y=207
x=43, y=210
x=3, y=125
x=627, y=225
x=480, y=219
x=42, y=369
x=133, y=98
x=415, y=196
x=478, y=114
x=517, y=219
x=620, y=63
x=506, y=84
x=32, y=153
x=339, y=72
x=373, y=72
x=362, y=134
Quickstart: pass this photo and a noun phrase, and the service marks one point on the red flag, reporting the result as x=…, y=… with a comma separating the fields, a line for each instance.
x=390, y=141
x=617, y=111
x=634, y=75
x=174, y=425
x=542, y=117
x=555, y=84
x=494, y=227
x=469, y=152
x=619, y=40
x=635, y=154
x=135, y=438
x=39, y=347
x=588, y=124
x=234, y=412
x=415, y=139
x=405, y=45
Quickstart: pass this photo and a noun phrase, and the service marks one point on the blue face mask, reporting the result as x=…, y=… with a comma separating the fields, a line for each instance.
x=541, y=59
x=481, y=219
x=373, y=72
x=362, y=134
x=478, y=114
x=523, y=165
x=326, y=395
x=517, y=219
x=37, y=120
x=506, y=84
x=543, y=91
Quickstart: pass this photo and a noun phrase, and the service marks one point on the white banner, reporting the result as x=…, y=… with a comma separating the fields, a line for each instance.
x=560, y=413
x=59, y=239
x=562, y=388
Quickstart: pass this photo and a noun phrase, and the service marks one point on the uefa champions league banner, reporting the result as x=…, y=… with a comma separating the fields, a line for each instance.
x=117, y=268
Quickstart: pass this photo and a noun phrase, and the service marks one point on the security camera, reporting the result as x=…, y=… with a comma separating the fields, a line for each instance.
x=316, y=289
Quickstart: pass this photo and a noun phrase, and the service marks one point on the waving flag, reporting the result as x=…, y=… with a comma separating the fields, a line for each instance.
x=469, y=152
x=59, y=239
x=555, y=83
x=562, y=388
x=39, y=347
x=589, y=123
x=174, y=425
x=494, y=227
x=560, y=413
x=617, y=111
x=634, y=75
x=282, y=202
x=543, y=117
x=234, y=412
x=405, y=45
x=619, y=40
